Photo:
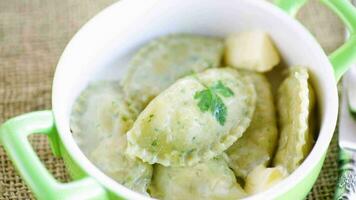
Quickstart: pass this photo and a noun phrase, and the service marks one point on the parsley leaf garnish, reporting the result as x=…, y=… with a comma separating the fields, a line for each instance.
x=221, y=89
x=209, y=100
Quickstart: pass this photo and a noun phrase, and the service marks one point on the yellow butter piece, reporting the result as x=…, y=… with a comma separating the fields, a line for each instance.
x=253, y=50
x=262, y=178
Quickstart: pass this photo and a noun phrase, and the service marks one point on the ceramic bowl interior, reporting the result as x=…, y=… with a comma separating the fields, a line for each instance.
x=101, y=49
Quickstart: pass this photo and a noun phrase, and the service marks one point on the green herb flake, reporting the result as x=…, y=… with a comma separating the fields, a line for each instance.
x=150, y=117
x=124, y=118
x=190, y=151
x=221, y=89
x=154, y=143
x=209, y=100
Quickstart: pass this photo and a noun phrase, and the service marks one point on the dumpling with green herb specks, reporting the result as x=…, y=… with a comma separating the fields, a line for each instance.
x=296, y=103
x=99, y=112
x=210, y=180
x=110, y=157
x=257, y=144
x=195, y=119
x=162, y=61
x=99, y=122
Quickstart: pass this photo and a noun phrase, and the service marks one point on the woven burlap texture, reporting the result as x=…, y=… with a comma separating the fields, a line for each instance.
x=33, y=34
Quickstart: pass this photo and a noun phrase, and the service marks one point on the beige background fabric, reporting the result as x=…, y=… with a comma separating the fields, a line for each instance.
x=33, y=34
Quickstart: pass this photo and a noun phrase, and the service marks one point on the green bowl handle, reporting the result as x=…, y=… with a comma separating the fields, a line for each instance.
x=345, y=56
x=290, y=6
x=13, y=136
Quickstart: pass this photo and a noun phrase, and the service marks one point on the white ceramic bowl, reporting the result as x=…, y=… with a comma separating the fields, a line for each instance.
x=102, y=47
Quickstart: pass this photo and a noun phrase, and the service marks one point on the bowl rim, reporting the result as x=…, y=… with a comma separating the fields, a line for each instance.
x=314, y=157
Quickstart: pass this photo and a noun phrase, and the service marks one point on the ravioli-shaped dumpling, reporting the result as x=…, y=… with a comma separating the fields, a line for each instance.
x=257, y=144
x=262, y=178
x=99, y=122
x=210, y=180
x=295, y=107
x=110, y=157
x=99, y=112
x=195, y=119
x=164, y=60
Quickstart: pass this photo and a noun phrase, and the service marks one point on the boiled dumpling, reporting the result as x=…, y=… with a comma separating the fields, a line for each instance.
x=210, y=180
x=195, y=119
x=262, y=178
x=258, y=143
x=99, y=122
x=295, y=108
x=99, y=112
x=161, y=62
x=110, y=157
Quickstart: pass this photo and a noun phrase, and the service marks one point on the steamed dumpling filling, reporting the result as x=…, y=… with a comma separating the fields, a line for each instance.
x=181, y=125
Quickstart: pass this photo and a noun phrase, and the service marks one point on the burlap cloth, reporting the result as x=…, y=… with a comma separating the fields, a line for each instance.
x=33, y=34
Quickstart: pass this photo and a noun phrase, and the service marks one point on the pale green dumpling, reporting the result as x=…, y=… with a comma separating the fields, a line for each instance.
x=164, y=60
x=99, y=122
x=257, y=145
x=110, y=157
x=296, y=103
x=99, y=112
x=210, y=180
x=195, y=119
